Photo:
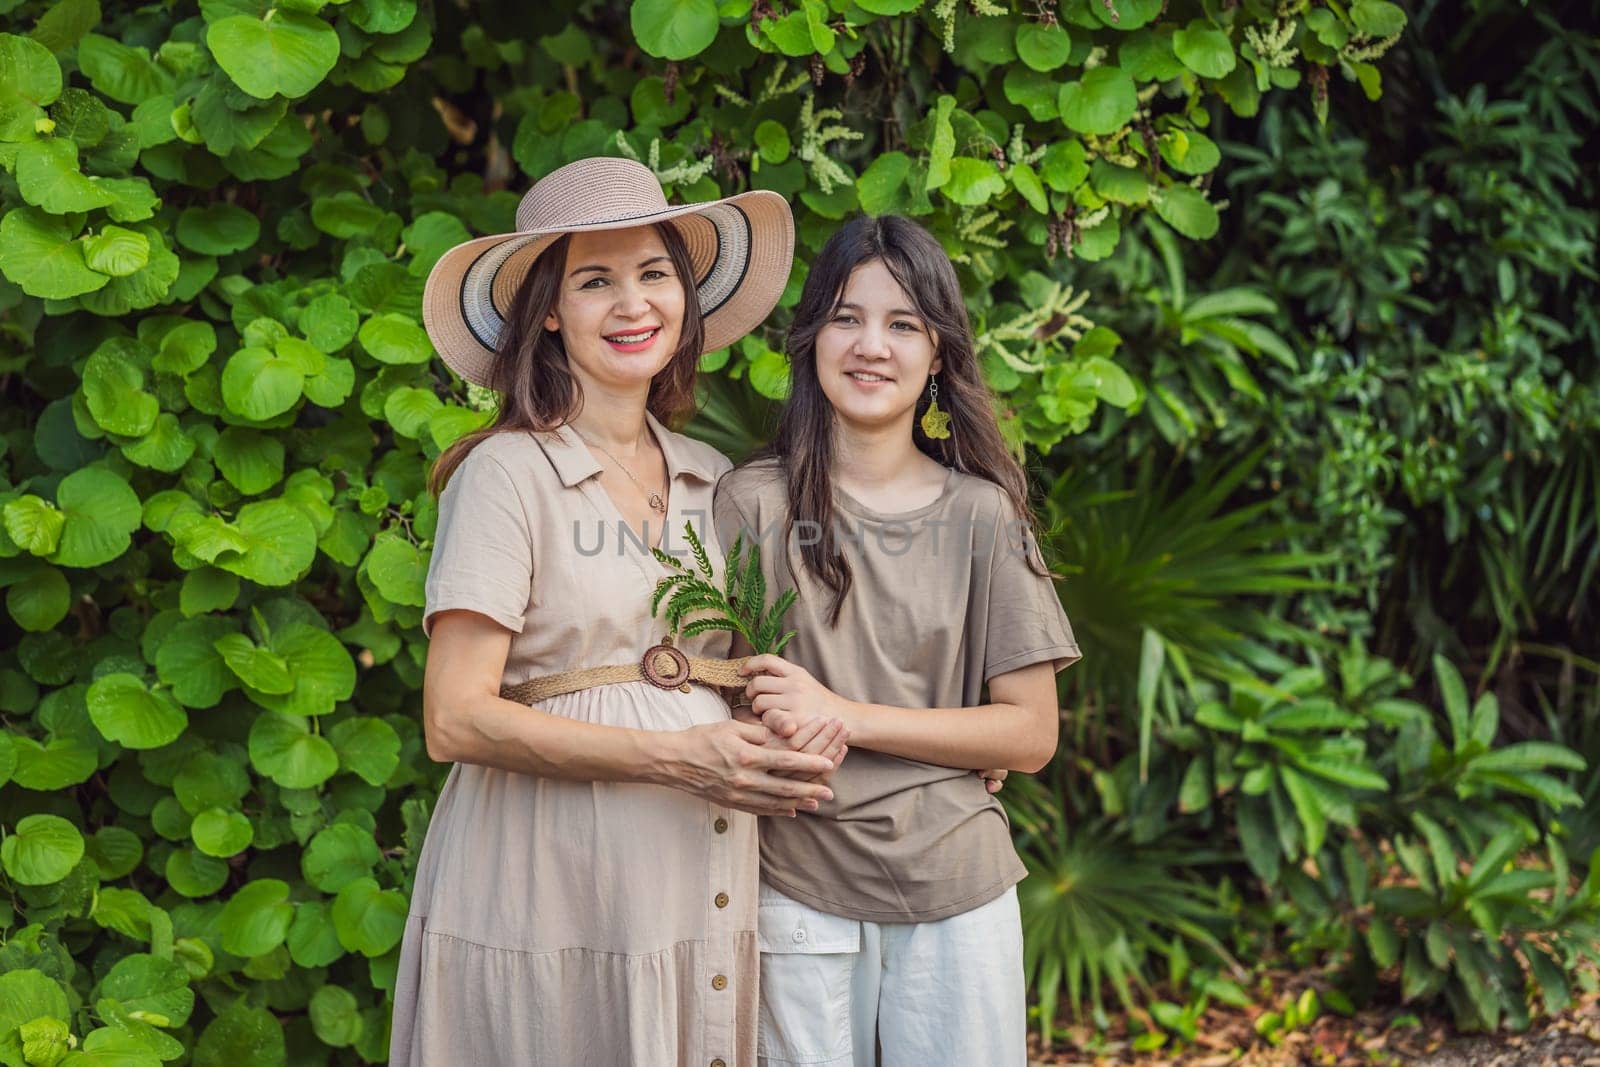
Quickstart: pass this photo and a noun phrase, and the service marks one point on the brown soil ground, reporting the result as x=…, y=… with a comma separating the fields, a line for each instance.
x=1375, y=1038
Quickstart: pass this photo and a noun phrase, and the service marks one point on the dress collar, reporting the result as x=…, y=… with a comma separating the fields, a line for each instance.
x=574, y=462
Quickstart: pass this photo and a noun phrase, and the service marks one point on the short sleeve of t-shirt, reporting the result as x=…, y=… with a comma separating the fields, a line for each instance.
x=1027, y=624
x=727, y=515
x=483, y=546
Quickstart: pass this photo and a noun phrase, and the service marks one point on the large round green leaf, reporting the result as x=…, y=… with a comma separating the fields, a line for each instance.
x=125, y=73
x=100, y=513
x=279, y=541
x=250, y=460
x=1100, y=102
x=41, y=850
x=25, y=995
x=256, y=919
x=409, y=408
x=217, y=229
x=185, y=347
x=219, y=832
x=345, y=214
x=338, y=855
x=193, y=874
x=40, y=600
x=48, y=177
x=39, y=254
x=322, y=669
x=208, y=780
x=242, y=1035
x=257, y=667
x=113, y=389
x=1187, y=210
x=165, y=448
x=287, y=52
x=116, y=251
x=1127, y=14
x=116, y=850
x=60, y=762
x=258, y=384
x=30, y=78
x=34, y=524
x=335, y=1016
x=1205, y=49
x=1044, y=48
x=187, y=661
x=313, y=942
x=330, y=322
x=146, y=983
x=880, y=185
x=127, y=712
x=369, y=920
x=398, y=568
x=973, y=182
x=392, y=338
x=1378, y=18
x=674, y=29
x=283, y=748
x=367, y=747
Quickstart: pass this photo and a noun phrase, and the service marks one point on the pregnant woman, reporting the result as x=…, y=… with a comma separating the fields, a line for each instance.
x=587, y=891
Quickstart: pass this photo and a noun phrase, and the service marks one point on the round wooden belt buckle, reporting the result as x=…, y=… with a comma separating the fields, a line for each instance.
x=665, y=667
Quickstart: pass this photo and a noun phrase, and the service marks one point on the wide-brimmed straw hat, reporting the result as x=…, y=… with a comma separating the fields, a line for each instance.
x=742, y=248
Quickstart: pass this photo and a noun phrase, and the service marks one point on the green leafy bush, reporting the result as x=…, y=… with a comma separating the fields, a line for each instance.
x=215, y=223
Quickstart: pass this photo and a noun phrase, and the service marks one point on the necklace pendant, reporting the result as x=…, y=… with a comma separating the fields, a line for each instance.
x=657, y=504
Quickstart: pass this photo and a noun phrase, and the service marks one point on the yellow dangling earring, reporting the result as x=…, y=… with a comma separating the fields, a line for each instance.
x=935, y=423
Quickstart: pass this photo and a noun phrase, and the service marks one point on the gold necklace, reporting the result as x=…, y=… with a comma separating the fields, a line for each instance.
x=657, y=502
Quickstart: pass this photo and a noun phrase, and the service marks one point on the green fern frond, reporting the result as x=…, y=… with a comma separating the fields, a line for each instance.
x=668, y=560
x=754, y=594
x=663, y=587
x=699, y=550
x=730, y=569
x=737, y=606
x=700, y=626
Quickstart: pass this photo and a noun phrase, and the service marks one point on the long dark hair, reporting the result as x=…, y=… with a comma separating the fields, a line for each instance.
x=804, y=442
x=530, y=370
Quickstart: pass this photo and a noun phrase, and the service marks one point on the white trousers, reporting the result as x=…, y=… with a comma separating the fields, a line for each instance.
x=839, y=992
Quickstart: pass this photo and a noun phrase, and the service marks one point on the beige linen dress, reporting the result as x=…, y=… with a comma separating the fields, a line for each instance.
x=565, y=922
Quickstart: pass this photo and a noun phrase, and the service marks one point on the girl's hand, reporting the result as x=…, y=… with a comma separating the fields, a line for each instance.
x=818, y=736
x=779, y=685
x=992, y=780
x=730, y=763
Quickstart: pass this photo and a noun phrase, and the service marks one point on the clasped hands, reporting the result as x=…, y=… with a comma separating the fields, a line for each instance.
x=803, y=715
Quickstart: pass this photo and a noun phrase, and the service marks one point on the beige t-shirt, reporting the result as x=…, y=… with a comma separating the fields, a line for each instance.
x=943, y=600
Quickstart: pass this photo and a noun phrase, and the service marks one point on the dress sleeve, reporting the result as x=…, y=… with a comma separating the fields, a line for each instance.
x=1026, y=623
x=483, y=547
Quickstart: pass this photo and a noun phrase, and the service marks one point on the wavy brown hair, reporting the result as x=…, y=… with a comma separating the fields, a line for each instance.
x=530, y=372
x=804, y=441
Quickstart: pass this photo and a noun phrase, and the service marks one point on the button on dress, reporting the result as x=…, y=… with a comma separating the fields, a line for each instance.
x=567, y=922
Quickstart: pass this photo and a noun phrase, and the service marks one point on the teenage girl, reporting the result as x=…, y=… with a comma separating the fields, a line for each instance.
x=888, y=920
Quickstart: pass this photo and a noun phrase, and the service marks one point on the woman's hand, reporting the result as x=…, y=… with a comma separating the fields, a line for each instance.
x=732, y=763
x=992, y=780
x=779, y=685
x=821, y=737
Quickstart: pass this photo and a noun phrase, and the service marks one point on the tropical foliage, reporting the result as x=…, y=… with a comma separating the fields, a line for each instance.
x=1290, y=305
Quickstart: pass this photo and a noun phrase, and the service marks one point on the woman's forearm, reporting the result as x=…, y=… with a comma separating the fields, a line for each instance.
x=493, y=732
x=1010, y=736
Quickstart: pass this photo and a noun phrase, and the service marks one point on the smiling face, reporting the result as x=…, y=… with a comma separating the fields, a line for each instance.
x=875, y=352
x=620, y=307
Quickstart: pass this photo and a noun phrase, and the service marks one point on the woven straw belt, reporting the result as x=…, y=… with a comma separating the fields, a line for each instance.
x=662, y=666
